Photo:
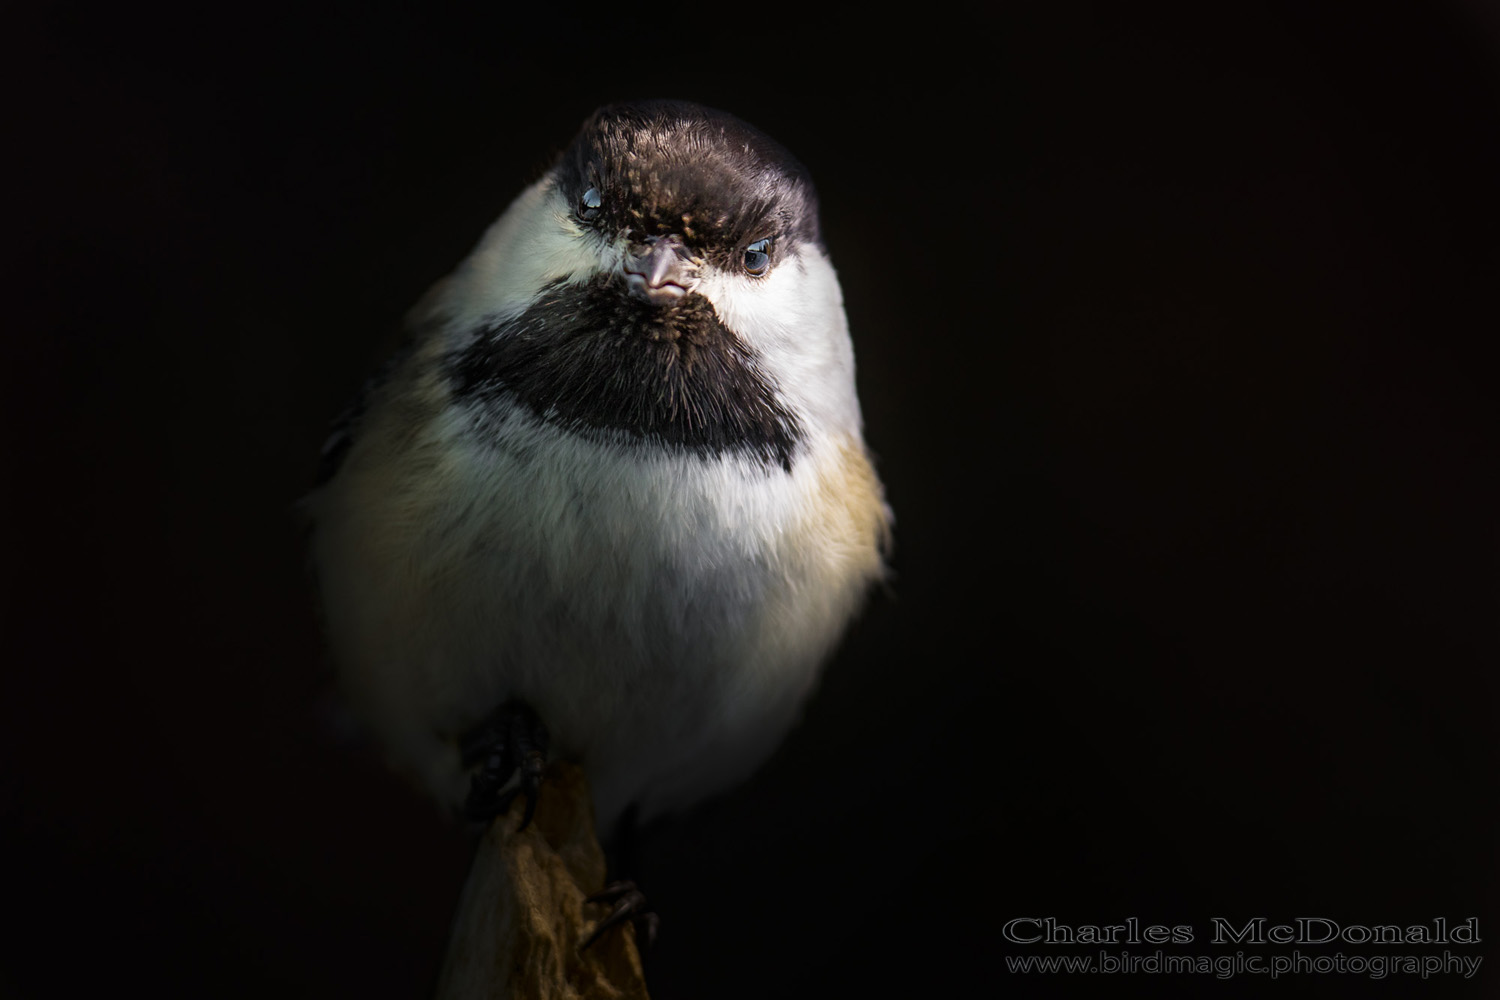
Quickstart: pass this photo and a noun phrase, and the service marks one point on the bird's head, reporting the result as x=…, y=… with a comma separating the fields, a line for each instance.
x=675, y=197
x=665, y=278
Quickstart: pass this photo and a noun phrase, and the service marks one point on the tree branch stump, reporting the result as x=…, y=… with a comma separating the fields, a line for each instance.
x=522, y=914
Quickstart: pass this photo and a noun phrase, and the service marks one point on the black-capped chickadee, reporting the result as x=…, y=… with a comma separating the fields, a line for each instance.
x=616, y=479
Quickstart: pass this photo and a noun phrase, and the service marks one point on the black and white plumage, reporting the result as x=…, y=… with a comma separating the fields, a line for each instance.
x=618, y=476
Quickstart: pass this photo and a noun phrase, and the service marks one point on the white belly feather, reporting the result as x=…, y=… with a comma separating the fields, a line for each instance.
x=664, y=613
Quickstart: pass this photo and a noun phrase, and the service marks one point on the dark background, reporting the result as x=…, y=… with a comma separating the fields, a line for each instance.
x=1177, y=349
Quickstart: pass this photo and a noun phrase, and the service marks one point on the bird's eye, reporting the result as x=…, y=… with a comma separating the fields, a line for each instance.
x=758, y=258
x=589, y=205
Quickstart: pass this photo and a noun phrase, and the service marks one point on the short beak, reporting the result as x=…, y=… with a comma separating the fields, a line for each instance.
x=660, y=270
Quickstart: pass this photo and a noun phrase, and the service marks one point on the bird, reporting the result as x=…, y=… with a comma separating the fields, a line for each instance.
x=611, y=501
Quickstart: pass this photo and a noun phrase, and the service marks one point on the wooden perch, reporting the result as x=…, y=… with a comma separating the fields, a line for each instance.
x=522, y=915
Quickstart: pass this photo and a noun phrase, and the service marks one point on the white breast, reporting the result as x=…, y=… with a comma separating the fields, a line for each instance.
x=664, y=614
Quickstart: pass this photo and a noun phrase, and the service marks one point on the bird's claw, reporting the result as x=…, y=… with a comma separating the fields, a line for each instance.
x=629, y=904
x=511, y=743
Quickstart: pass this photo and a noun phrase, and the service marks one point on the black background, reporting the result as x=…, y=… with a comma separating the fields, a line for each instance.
x=1176, y=337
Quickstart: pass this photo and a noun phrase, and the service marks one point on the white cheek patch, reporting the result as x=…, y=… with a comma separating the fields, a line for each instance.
x=533, y=244
x=793, y=318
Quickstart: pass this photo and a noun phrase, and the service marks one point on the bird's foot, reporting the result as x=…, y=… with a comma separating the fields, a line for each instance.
x=510, y=743
x=629, y=904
